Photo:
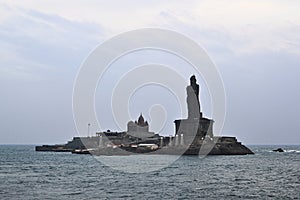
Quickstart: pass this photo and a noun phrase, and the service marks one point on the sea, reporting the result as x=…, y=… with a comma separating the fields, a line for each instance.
x=27, y=174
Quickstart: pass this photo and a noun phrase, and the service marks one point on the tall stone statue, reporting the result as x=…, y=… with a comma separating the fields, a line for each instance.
x=193, y=99
x=195, y=128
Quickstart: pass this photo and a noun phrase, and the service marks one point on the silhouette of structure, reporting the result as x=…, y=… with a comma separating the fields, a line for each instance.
x=193, y=136
x=195, y=128
x=139, y=129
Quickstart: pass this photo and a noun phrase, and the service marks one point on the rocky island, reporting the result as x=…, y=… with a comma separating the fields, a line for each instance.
x=193, y=136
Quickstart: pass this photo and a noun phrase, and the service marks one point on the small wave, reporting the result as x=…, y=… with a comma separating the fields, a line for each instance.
x=292, y=151
x=73, y=193
x=287, y=151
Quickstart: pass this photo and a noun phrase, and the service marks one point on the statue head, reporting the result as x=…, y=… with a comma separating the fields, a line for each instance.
x=193, y=79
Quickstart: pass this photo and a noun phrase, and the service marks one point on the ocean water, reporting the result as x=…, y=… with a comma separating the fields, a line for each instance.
x=26, y=174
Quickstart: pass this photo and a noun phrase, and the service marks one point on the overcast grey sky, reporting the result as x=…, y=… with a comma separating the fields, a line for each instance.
x=255, y=45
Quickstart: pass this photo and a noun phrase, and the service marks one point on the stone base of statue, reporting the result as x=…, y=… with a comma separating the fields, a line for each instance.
x=194, y=130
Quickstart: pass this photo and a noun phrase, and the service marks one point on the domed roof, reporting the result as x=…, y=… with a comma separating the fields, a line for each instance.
x=130, y=122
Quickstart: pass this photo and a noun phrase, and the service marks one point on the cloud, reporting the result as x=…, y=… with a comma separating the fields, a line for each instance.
x=32, y=41
x=256, y=45
x=242, y=26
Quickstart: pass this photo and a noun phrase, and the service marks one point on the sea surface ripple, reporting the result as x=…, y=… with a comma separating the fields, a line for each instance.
x=26, y=174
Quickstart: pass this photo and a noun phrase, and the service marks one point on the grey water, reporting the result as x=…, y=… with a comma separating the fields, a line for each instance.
x=26, y=174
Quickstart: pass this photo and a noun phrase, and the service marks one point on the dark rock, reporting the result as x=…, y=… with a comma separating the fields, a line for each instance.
x=278, y=150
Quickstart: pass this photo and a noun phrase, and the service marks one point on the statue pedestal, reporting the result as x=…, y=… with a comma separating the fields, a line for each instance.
x=194, y=130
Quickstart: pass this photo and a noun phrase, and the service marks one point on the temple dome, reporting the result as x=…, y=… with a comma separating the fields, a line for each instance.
x=141, y=121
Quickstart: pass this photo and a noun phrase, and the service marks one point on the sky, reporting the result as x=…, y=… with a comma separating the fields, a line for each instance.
x=255, y=45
